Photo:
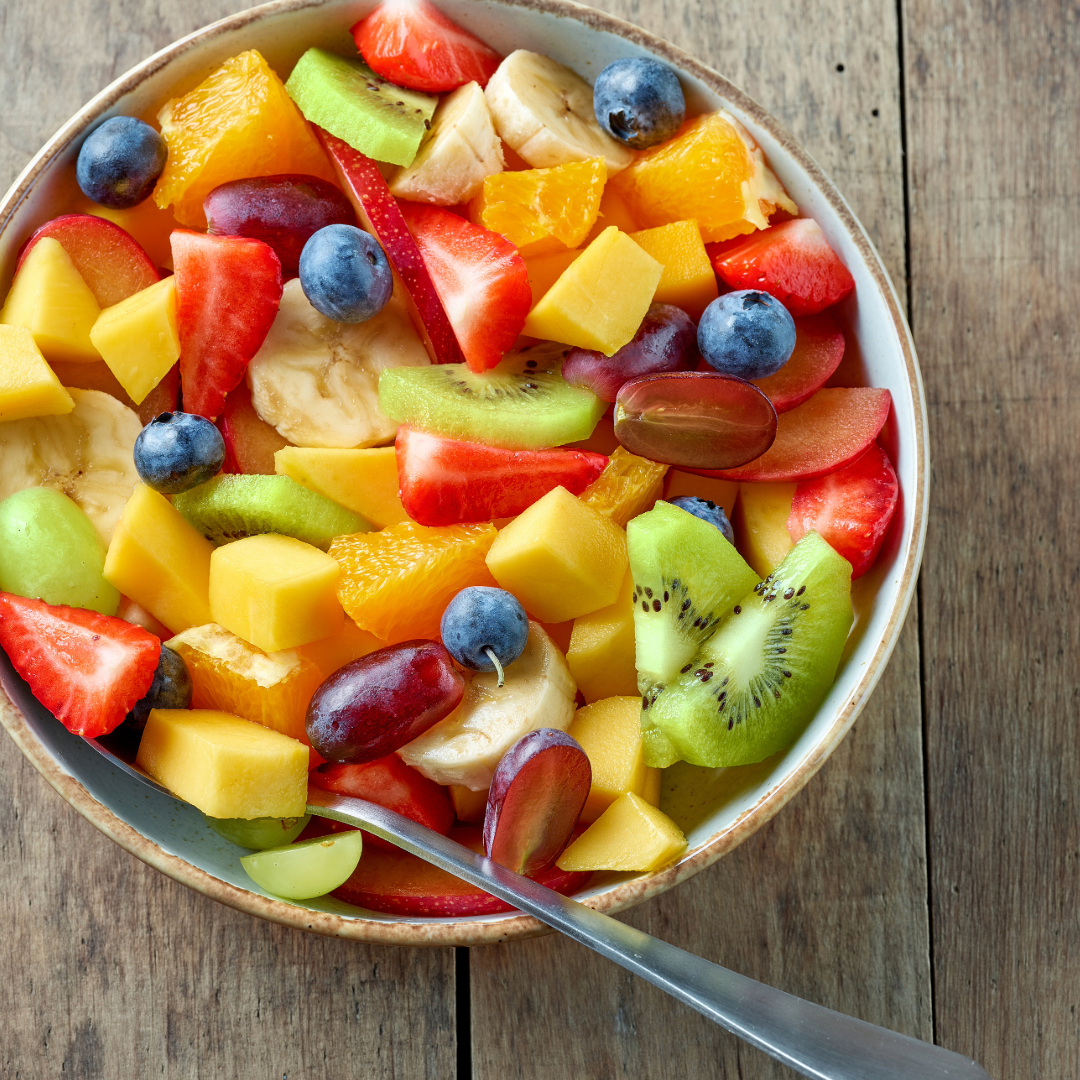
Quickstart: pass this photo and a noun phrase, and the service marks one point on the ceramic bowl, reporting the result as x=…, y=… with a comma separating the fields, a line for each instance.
x=718, y=808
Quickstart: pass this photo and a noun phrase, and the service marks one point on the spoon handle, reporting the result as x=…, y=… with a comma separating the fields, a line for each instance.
x=813, y=1040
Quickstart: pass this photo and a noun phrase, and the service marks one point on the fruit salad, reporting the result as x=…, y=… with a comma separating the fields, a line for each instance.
x=436, y=428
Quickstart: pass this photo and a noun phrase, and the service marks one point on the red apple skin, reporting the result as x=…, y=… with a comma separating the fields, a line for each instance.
x=819, y=348
x=250, y=442
x=378, y=213
x=109, y=259
x=825, y=433
x=536, y=797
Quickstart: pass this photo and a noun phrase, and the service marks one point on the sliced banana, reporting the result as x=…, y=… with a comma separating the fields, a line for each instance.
x=317, y=381
x=771, y=193
x=465, y=747
x=457, y=154
x=87, y=454
x=545, y=112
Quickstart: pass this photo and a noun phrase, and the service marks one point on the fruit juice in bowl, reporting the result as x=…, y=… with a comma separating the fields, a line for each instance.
x=586, y=502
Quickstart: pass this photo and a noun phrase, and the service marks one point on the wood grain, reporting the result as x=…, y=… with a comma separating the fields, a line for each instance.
x=993, y=135
x=829, y=900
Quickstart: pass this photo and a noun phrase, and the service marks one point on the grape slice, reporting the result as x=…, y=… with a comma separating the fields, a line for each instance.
x=259, y=833
x=693, y=418
x=310, y=868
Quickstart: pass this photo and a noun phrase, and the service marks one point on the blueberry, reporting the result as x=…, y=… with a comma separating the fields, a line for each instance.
x=708, y=511
x=748, y=333
x=120, y=162
x=639, y=101
x=177, y=451
x=345, y=274
x=485, y=629
x=171, y=689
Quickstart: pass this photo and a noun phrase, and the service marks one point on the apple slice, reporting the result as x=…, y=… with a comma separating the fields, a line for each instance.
x=165, y=397
x=378, y=213
x=402, y=884
x=823, y=434
x=250, y=442
x=819, y=348
x=109, y=259
x=540, y=786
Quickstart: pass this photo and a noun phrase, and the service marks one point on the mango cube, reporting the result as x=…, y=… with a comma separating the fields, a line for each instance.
x=689, y=280
x=225, y=766
x=609, y=732
x=158, y=560
x=601, y=650
x=545, y=270
x=560, y=558
x=275, y=591
x=138, y=338
x=629, y=835
x=340, y=648
x=469, y=805
x=601, y=298
x=761, y=531
x=721, y=492
x=28, y=386
x=364, y=481
x=50, y=299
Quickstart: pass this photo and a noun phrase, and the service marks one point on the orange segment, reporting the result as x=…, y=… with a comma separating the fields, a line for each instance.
x=237, y=123
x=706, y=172
x=349, y=644
x=396, y=583
x=628, y=486
x=542, y=211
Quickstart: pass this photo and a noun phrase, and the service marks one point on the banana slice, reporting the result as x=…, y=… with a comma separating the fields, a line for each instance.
x=465, y=747
x=86, y=454
x=317, y=381
x=545, y=112
x=771, y=193
x=457, y=154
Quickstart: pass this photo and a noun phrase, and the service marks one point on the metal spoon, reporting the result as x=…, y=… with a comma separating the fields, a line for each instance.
x=813, y=1040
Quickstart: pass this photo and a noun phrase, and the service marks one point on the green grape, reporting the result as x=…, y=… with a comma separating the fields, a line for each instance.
x=259, y=833
x=312, y=868
x=50, y=550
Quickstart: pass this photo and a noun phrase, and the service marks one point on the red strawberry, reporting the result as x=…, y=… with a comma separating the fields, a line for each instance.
x=792, y=262
x=446, y=481
x=87, y=669
x=227, y=293
x=413, y=44
x=480, y=277
x=851, y=508
x=819, y=348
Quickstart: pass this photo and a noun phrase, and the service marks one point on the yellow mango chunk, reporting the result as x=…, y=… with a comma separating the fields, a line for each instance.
x=340, y=648
x=275, y=591
x=50, y=298
x=601, y=298
x=761, y=532
x=721, y=492
x=138, y=338
x=226, y=766
x=650, y=790
x=601, y=651
x=629, y=835
x=560, y=558
x=689, y=280
x=364, y=481
x=545, y=270
x=28, y=386
x=469, y=805
x=609, y=731
x=158, y=560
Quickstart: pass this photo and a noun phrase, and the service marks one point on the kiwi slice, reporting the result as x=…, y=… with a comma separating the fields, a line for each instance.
x=349, y=100
x=234, y=505
x=686, y=579
x=755, y=684
x=523, y=403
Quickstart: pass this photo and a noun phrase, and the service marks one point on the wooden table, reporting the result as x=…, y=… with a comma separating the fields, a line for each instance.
x=927, y=878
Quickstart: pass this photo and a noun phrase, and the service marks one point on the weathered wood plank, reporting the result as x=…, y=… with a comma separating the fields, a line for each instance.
x=829, y=900
x=993, y=133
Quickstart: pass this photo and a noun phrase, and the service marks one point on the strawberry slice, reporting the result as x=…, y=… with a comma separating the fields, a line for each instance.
x=227, y=293
x=791, y=261
x=850, y=508
x=480, y=277
x=87, y=669
x=413, y=44
x=448, y=482
x=819, y=348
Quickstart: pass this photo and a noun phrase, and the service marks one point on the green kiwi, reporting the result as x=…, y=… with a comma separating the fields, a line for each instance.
x=755, y=684
x=349, y=100
x=521, y=404
x=686, y=579
x=234, y=505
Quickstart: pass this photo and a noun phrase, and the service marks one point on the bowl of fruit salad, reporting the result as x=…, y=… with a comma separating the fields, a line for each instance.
x=485, y=410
